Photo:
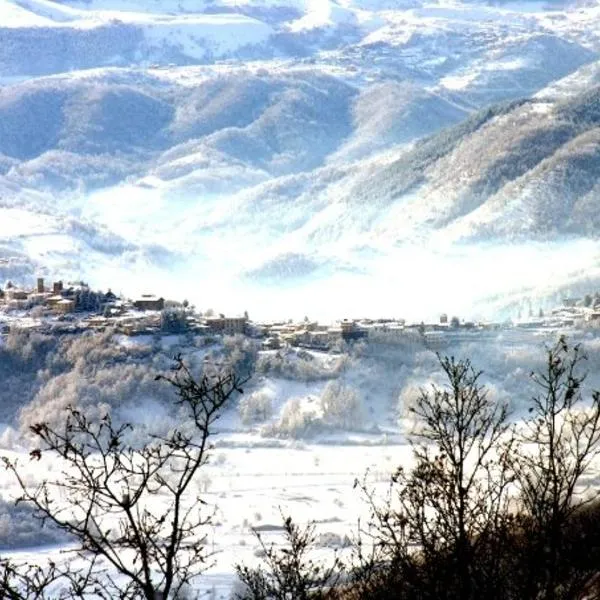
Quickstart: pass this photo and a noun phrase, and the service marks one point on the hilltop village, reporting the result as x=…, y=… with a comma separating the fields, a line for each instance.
x=63, y=308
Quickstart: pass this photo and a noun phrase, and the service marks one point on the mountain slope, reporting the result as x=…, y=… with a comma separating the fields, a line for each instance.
x=276, y=147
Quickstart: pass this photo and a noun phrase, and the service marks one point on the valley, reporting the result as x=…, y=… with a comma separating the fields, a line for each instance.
x=336, y=139
x=329, y=167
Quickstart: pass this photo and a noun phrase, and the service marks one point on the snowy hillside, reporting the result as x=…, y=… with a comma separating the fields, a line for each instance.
x=321, y=158
x=279, y=147
x=307, y=426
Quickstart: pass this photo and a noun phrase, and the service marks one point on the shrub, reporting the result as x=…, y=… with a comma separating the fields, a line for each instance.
x=256, y=407
x=295, y=422
x=290, y=571
x=298, y=366
x=241, y=353
x=341, y=406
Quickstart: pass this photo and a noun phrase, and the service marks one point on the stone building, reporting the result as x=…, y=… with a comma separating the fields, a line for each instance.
x=149, y=302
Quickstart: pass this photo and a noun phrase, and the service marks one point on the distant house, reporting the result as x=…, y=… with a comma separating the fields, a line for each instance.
x=16, y=294
x=320, y=339
x=149, y=302
x=97, y=322
x=52, y=301
x=227, y=325
x=271, y=343
x=352, y=331
x=17, y=298
x=65, y=305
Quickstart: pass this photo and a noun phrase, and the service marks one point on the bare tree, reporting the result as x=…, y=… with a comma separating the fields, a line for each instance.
x=289, y=572
x=436, y=527
x=384, y=560
x=18, y=582
x=136, y=516
x=458, y=490
x=558, y=444
x=22, y=581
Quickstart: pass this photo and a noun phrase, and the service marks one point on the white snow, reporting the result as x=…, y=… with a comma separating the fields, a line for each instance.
x=253, y=485
x=13, y=15
x=196, y=35
x=373, y=258
x=457, y=82
x=206, y=34
x=16, y=222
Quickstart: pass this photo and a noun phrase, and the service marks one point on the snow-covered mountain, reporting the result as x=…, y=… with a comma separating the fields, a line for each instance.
x=289, y=151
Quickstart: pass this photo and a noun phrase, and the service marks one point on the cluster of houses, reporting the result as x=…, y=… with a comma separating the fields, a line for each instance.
x=56, y=299
x=573, y=312
x=312, y=334
x=75, y=307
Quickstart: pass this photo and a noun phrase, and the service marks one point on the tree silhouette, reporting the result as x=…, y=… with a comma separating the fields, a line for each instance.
x=139, y=523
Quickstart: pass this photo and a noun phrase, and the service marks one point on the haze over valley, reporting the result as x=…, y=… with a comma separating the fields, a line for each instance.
x=367, y=182
x=289, y=153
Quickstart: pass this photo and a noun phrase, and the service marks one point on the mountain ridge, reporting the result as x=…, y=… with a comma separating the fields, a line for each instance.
x=294, y=143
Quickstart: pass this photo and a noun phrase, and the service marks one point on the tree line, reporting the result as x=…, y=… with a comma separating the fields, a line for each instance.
x=492, y=507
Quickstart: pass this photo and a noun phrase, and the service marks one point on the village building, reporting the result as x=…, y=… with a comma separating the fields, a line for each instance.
x=14, y=293
x=16, y=298
x=64, y=306
x=320, y=340
x=52, y=301
x=201, y=329
x=149, y=302
x=282, y=330
x=351, y=331
x=97, y=322
x=226, y=325
x=271, y=343
x=37, y=298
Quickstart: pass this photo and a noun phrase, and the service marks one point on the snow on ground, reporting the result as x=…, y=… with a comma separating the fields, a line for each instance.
x=207, y=34
x=15, y=15
x=196, y=35
x=18, y=222
x=253, y=486
x=254, y=478
x=328, y=13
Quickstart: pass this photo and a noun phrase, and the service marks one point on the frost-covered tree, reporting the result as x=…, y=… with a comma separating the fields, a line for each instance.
x=341, y=406
x=173, y=320
x=256, y=407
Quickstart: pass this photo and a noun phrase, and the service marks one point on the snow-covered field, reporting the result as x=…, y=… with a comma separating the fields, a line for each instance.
x=261, y=470
x=253, y=485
